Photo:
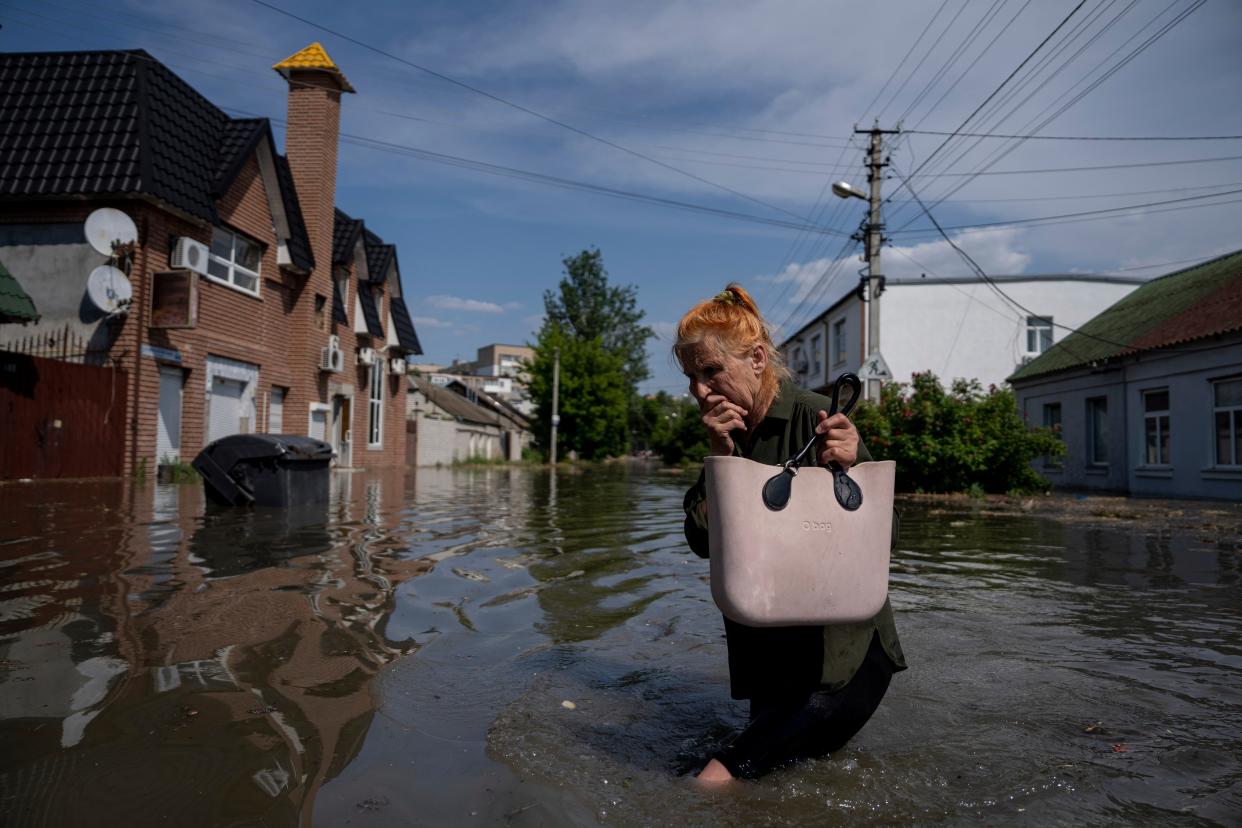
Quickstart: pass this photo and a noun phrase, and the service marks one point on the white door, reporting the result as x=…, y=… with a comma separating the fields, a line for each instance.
x=342, y=416
x=319, y=423
x=224, y=416
x=168, y=429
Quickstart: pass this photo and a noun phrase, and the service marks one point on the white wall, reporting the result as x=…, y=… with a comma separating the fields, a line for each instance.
x=967, y=331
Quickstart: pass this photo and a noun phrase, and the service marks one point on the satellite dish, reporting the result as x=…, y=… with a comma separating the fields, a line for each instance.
x=109, y=289
x=107, y=225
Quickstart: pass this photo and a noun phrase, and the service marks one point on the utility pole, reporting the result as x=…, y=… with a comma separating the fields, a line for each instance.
x=556, y=393
x=873, y=236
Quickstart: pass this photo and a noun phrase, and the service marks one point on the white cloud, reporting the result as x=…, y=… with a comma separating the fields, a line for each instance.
x=822, y=282
x=430, y=322
x=458, y=303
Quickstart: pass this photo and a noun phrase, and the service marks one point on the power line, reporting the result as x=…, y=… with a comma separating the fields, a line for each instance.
x=1165, y=28
x=957, y=54
x=909, y=52
x=1081, y=137
x=1084, y=213
x=1088, y=168
x=1078, y=30
x=521, y=108
x=1079, y=196
x=995, y=91
x=991, y=283
x=556, y=181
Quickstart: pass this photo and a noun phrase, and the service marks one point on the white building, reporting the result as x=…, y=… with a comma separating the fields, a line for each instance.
x=955, y=328
x=446, y=426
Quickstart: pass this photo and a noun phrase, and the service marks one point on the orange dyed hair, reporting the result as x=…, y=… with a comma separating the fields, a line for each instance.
x=729, y=322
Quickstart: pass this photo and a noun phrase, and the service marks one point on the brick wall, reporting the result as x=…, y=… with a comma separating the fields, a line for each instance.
x=277, y=330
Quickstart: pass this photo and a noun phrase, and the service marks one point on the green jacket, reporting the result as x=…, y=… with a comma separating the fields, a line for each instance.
x=768, y=661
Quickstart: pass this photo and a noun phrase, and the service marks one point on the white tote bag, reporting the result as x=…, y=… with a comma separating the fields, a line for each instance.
x=799, y=546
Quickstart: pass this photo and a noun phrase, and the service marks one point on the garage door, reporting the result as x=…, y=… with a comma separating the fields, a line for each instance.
x=224, y=415
x=168, y=431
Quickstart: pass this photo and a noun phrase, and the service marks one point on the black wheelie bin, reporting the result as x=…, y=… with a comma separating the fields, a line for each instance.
x=265, y=470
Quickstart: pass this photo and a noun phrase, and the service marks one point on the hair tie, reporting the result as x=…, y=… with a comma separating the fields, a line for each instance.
x=726, y=296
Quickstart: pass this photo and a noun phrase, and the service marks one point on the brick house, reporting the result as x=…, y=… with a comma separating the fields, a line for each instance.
x=288, y=280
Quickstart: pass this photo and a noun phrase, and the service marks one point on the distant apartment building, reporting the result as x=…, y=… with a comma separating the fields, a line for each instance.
x=498, y=371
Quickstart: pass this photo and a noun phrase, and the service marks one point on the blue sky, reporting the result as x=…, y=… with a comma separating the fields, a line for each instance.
x=747, y=108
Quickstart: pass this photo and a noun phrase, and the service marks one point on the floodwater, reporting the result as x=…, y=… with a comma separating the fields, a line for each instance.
x=501, y=647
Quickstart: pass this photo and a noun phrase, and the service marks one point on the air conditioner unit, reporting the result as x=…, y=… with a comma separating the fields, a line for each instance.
x=366, y=356
x=332, y=359
x=189, y=254
x=397, y=366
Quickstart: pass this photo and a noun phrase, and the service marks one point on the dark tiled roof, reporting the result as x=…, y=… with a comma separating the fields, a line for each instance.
x=345, y=232
x=369, y=311
x=1191, y=304
x=119, y=123
x=407, y=338
x=70, y=124
x=299, y=240
x=379, y=256
x=15, y=304
x=238, y=139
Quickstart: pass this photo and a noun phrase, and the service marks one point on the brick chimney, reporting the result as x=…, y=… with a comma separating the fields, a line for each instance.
x=311, y=139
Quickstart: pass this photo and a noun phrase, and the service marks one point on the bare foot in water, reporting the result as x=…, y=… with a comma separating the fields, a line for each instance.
x=715, y=773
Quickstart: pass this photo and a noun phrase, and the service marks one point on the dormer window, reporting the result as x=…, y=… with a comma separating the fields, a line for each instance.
x=234, y=260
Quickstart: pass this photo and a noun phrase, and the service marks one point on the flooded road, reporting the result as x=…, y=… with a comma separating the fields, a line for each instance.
x=499, y=646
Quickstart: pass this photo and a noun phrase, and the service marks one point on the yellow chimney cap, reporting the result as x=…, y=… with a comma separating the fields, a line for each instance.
x=311, y=58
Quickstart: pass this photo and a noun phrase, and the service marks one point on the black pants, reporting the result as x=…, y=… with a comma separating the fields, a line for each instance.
x=791, y=728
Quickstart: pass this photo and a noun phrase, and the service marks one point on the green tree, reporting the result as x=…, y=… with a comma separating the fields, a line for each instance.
x=603, y=347
x=586, y=307
x=593, y=395
x=949, y=441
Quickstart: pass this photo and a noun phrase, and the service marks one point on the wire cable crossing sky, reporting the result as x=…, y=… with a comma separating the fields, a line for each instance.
x=696, y=143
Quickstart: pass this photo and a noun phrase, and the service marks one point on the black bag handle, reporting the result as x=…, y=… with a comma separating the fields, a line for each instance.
x=777, y=490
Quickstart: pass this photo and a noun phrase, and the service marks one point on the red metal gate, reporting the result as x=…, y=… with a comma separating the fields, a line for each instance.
x=59, y=419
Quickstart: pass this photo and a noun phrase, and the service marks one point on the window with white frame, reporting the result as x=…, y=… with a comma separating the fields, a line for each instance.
x=276, y=410
x=1038, y=334
x=1097, y=431
x=838, y=342
x=817, y=347
x=1156, y=427
x=375, y=434
x=234, y=260
x=1227, y=410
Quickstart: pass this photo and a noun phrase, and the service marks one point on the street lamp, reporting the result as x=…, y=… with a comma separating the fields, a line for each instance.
x=844, y=189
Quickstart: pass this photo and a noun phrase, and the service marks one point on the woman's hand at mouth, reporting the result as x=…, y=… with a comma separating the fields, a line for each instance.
x=721, y=418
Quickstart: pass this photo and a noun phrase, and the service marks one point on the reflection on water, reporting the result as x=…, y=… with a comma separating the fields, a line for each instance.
x=502, y=646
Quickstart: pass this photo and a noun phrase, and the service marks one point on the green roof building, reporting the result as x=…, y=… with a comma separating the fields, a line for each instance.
x=1147, y=395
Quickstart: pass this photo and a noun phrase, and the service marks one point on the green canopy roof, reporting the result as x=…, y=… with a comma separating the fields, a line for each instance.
x=1198, y=302
x=15, y=304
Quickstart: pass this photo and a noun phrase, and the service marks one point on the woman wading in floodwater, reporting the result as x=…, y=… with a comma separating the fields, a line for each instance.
x=810, y=688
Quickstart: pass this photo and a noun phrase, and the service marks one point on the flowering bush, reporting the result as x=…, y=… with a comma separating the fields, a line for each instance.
x=951, y=441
